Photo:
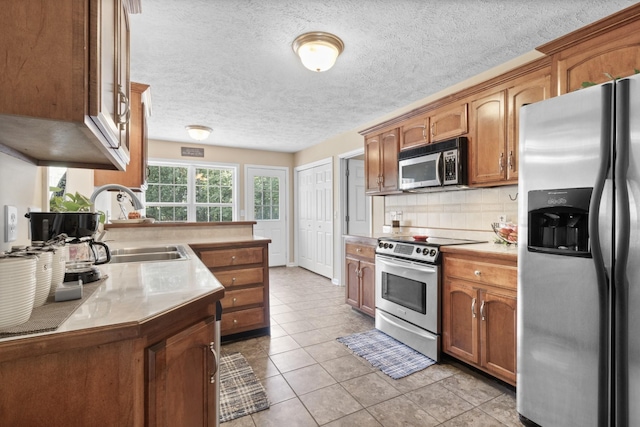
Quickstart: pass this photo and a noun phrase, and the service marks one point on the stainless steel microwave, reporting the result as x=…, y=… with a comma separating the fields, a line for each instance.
x=434, y=165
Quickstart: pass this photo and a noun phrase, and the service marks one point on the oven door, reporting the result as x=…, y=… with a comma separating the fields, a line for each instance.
x=419, y=172
x=409, y=290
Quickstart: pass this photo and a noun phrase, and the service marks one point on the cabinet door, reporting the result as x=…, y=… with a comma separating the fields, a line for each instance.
x=179, y=387
x=529, y=92
x=352, y=268
x=460, y=311
x=488, y=139
x=498, y=319
x=372, y=162
x=390, y=146
x=368, y=288
x=122, y=67
x=135, y=177
x=448, y=123
x=414, y=132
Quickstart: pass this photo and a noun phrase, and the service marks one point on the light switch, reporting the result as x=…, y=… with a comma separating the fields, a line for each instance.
x=10, y=223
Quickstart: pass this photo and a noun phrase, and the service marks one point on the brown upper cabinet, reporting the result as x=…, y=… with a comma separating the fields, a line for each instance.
x=448, y=122
x=488, y=138
x=135, y=177
x=437, y=125
x=65, y=84
x=495, y=123
x=381, y=162
x=415, y=132
x=595, y=53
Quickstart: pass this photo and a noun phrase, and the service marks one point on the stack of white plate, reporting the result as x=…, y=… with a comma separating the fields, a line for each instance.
x=58, y=264
x=17, y=290
x=43, y=277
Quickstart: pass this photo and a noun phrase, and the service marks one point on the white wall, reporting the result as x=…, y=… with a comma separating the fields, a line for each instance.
x=20, y=186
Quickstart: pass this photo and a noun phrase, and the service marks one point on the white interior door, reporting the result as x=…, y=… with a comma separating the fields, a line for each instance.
x=315, y=219
x=266, y=204
x=357, y=204
x=305, y=219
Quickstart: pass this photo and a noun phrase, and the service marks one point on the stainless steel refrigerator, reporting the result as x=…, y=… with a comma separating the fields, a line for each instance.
x=579, y=258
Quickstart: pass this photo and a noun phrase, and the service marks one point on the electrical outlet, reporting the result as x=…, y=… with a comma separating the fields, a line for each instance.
x=10, y=223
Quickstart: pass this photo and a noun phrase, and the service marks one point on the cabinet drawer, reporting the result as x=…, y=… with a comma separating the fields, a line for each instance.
x=241, y=320
x=230, y=257
x=359, y=250
x=242, y=297
x=245, y=276
x=483, y=272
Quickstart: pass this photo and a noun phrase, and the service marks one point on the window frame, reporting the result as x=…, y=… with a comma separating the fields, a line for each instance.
x=191, y=185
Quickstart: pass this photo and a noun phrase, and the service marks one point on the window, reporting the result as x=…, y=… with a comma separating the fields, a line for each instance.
x=266, y=201
x=191, y=192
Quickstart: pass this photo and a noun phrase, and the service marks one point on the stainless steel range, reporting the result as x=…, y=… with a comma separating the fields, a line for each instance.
x=408, y=290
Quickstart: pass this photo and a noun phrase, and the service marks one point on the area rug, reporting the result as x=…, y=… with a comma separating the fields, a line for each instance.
x=387, y=354
x=240, y=390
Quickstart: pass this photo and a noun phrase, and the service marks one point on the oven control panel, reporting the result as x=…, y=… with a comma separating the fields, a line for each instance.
x=411, y=251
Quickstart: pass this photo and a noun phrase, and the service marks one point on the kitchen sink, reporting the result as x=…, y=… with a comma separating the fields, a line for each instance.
x=152, y=253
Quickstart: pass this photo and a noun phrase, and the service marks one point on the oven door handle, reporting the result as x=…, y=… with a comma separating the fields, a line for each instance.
x=397, y=262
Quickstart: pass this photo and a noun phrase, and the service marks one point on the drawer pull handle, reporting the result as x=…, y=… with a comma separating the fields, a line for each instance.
x=482, y=311
x=473, y=308
x=477, y=273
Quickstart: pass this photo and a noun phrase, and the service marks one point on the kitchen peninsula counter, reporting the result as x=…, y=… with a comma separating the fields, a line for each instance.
x=144, y=335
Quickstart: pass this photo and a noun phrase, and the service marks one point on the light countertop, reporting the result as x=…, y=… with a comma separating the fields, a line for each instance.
x=137, y=291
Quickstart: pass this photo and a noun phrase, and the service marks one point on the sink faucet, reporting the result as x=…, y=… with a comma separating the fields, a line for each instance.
x=137, y=204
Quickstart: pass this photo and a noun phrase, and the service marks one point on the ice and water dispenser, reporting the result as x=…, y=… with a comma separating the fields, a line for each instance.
x=559, y=220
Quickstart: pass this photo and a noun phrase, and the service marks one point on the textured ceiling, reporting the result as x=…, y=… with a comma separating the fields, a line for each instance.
x=228, y=64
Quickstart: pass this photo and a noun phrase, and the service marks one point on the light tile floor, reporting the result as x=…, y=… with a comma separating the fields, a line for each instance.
x=313, y=380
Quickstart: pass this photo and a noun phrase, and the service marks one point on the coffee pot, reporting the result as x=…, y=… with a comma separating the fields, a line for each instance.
x=83, y=254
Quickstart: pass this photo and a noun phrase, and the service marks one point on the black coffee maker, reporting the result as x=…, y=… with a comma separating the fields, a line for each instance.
x=84, y=253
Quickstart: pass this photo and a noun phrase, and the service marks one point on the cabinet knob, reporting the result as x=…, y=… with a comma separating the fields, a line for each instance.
x=477, y=273
x=233, y=258
x=233, y=279
x=234, y=300
x=235, y=321
x=358, y=250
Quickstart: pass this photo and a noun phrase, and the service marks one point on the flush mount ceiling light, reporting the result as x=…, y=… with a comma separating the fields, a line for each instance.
x=198, y=132
x=318, y=51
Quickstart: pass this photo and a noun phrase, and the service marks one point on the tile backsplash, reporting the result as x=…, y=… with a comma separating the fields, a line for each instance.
x=470, y=209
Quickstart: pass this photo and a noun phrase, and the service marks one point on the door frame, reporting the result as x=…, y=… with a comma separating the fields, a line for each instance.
x=286, y=202
x=297, y=169
x=342, y=208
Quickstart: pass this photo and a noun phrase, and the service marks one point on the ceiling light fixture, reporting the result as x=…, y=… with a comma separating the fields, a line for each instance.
x=198, y=132
x=318, y=51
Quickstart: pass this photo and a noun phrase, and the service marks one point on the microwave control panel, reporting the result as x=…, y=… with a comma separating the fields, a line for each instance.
x=451, y=175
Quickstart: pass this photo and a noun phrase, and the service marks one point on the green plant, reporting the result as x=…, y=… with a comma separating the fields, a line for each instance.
x=67, y=202
x=609, y=76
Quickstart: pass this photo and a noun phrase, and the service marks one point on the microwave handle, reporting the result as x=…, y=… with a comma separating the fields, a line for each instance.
x=440, y=169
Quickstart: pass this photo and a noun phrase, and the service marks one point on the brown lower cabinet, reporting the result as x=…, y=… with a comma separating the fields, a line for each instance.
x=360, y=274
x=243, y=269
x=180, y=386
x=479, y=309
x=151, y=373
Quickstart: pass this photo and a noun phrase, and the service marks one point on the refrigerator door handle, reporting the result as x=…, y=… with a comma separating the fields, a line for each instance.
x=623, y=226
x=604, y=359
